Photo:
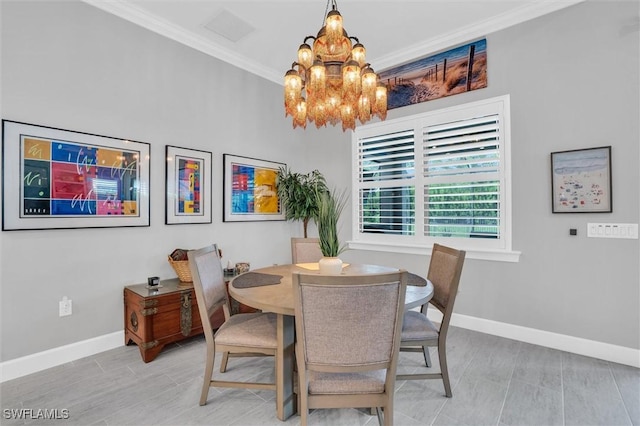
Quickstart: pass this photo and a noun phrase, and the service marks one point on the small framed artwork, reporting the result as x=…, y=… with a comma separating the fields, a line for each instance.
x=60, y=179
x=581, y=181
x=250, y=192
x=188, y=186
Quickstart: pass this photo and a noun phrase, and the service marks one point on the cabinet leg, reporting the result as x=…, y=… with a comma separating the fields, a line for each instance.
x=149, y=354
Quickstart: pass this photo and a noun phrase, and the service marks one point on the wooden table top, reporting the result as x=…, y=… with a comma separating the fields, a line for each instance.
x=278, y=298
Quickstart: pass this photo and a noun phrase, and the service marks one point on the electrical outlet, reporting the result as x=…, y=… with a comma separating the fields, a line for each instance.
x=65, y=307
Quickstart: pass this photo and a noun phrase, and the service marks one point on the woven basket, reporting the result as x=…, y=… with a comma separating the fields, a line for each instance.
x=182, y=269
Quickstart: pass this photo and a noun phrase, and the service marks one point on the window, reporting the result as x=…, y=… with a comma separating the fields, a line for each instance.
x=440, y=177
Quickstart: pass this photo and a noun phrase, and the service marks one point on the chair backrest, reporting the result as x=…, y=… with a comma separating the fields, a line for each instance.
x=208, y=283
x=305, y=250
x=444, y=273
x=349, y=323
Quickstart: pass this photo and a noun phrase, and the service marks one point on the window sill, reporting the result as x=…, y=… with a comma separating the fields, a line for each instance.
x=472, y=253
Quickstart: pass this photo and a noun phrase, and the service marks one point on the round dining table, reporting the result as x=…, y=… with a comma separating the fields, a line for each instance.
x=270, y=290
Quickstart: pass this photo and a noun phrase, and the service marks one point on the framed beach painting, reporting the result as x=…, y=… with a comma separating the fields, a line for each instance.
x=581, y=181
x=188, y=186
x=250, y=192
x=451, y=72
x=58, y=179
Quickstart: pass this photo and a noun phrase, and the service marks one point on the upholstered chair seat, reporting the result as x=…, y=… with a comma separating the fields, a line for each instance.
x=417, y=326
x=248, y=330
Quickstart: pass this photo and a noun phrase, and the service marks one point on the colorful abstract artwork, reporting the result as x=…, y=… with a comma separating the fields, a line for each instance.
x=454, y=71
x=69, y=179
x=250, y=189
x=581, y=181
x=188, y=186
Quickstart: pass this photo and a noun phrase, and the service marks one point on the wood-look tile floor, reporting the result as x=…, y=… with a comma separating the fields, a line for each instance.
x=495, y=381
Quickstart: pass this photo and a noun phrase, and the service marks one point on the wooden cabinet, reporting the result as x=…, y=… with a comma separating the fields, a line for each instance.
x=155, y=317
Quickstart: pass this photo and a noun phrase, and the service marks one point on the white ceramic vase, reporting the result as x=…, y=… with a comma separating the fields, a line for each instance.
x=330, y=266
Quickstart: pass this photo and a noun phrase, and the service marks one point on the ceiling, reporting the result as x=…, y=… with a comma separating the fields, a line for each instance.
x=267, y=33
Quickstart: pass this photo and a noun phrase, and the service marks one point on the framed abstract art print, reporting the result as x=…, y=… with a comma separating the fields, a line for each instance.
x=250, y=192
x=59, y=179
x=188, y=186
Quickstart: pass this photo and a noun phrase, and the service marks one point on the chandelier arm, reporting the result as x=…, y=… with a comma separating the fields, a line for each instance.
x=293, y=65
x=309, y=37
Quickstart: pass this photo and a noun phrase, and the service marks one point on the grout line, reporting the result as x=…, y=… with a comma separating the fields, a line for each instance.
x=624, y=404
x=506, y=394
x=564, y=414
x=439, y=410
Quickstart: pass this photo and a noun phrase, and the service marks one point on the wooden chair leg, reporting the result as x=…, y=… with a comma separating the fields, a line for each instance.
x=206, y=382
x=442, y=355
x=223, y=363
x=304, y=410
x=382, y=419
x=427, y=357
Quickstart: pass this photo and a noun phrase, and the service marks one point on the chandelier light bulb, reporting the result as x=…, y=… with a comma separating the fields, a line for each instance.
x=305, y=55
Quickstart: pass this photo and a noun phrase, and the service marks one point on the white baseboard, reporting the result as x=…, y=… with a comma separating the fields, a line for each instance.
x=33, y=363
x=23, y=366
x=563, y=342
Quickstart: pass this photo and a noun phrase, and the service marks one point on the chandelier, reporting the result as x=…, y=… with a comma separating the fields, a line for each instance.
x=338, y=83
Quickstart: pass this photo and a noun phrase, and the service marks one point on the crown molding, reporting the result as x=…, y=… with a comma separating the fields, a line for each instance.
x=134, y=14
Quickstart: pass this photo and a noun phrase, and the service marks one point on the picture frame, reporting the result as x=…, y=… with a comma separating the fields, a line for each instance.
x=62, y=179
x=250, y=192
x=188, y=186
x=581, y=181
x=457, y=70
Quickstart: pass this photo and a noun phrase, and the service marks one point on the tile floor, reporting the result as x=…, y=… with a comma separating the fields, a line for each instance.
x=495, y=381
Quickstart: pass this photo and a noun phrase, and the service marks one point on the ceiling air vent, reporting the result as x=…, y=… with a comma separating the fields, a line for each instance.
x=229, y=26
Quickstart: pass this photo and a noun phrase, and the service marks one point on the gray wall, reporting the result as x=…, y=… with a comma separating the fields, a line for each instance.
x=72, y=66
x=573, y=79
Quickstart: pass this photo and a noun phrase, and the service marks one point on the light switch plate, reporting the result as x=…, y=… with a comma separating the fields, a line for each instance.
x=612, y=230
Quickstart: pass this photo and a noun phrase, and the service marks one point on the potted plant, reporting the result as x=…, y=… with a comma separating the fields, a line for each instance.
x=330, y=206
x=297, y=193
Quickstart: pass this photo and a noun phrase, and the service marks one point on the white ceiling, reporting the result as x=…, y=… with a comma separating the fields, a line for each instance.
x=392, y=31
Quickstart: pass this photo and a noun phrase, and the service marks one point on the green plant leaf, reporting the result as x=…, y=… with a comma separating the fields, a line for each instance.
x=330, y=206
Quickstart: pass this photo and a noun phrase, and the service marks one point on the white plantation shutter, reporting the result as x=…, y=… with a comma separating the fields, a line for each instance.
x=461, y=170
x=444, y=171
x=386, y=172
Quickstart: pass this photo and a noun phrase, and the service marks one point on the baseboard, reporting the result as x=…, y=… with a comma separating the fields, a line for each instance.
x=577, y=345
x=23, y=366
x=33, y=363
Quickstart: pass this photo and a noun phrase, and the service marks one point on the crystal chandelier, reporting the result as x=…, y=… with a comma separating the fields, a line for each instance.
x=338, y=83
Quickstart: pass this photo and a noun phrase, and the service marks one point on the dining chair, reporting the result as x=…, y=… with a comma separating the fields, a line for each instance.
x=250, y=334
x=347, y=340
x=418, y=332
x=305, y=250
